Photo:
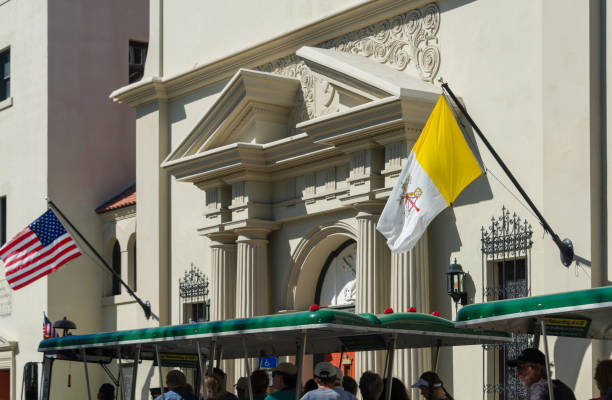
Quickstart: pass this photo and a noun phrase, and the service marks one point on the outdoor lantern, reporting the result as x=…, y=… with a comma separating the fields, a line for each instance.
x=454, y=283
x=65, y=325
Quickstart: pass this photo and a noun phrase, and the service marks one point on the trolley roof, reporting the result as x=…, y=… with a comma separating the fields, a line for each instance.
x=582, y=313
x=327, y=331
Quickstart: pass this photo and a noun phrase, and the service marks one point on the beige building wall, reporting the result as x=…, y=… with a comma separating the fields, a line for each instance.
x=22, y=149
x=527, y=71
x=62, y=138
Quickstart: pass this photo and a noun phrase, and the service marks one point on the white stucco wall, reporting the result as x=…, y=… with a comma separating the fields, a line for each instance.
x=23, y=167
x=65, y=139
x=197, y=33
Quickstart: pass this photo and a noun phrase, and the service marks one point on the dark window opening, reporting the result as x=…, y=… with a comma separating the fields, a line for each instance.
x=116, y=268
x=5, y=75
x=137, y=58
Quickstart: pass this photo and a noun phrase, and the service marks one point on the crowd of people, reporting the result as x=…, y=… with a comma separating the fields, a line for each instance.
x=328, y=383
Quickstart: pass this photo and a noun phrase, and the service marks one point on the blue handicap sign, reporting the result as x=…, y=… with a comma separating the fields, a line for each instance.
x=267, y=362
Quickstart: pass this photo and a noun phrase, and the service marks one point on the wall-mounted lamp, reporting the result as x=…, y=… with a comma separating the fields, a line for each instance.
x=454, y=283
x=65, y=325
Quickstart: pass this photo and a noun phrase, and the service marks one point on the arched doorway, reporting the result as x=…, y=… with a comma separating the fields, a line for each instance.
x=336, y=288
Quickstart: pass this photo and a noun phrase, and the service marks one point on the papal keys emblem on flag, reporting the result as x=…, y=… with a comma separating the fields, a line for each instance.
x=409, y=199
x=39, y=249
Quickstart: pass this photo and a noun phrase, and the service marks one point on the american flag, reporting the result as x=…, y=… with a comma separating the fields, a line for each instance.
x=39, y=249
x=48, y=329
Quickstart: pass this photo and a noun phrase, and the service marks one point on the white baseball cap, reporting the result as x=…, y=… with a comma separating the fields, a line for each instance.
x=325, y=370
x=423, y=383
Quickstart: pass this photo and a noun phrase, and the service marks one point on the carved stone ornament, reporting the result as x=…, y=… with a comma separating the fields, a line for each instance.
x=398, y=41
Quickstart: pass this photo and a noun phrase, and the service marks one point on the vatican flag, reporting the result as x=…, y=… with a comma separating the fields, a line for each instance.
x=439, y=167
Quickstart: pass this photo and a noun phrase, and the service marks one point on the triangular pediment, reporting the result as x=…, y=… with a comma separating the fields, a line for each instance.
x=253, y=107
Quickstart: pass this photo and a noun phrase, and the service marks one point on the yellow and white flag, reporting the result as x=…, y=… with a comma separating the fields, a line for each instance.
x=439, y=167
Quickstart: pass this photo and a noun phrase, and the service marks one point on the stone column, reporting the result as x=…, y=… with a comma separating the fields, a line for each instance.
x=252, y=295
x=223, y=269
x=373, y=259
x=223, y=286
x=410, y=287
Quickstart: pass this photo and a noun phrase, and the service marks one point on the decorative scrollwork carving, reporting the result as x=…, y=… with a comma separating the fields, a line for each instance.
x=397, y=41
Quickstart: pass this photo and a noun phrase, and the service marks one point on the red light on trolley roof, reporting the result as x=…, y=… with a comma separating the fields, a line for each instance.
x=388, y=310
x=314, y=307
x=412, y=309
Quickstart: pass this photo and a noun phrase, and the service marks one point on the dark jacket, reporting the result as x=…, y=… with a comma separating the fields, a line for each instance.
x=184, y=393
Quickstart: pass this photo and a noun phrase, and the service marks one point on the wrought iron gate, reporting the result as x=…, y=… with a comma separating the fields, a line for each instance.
x=506, y=274
x=193, y=293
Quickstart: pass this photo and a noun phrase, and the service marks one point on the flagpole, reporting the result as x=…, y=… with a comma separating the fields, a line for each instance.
x=565, y=246
x=146, y=306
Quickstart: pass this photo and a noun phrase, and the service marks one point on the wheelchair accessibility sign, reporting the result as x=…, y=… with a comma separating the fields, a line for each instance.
x=267, y=362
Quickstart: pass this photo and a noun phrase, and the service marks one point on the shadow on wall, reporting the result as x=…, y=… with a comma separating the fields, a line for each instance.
x=477, y=191
x=145, y=388
x=470, y=287
x=568, y=356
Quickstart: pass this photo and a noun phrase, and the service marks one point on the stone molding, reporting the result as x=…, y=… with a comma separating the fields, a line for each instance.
x=325, y=29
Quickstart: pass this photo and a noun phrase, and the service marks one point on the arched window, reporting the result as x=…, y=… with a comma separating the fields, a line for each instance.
x=116, y=268
x=131, y=281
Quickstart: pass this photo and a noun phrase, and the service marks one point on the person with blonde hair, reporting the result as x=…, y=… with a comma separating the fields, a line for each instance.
x=214, y=384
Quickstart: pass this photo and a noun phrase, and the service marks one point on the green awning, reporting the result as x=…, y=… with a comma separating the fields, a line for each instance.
x=582, y=313
x=327, y=331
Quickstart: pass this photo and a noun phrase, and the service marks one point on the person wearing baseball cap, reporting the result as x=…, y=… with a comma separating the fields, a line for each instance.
x=325, y=376
x=284, y=379
x=532, y=372
x=431, y=387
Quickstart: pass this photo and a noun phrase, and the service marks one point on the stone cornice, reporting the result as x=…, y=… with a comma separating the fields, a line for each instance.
x=325, y=138
x=326, y=28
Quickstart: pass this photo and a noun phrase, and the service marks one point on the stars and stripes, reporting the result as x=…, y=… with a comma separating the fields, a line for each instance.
x=39, y=249
x=48, y=329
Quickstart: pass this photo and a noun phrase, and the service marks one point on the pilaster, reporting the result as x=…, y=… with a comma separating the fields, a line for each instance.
x=410, y=287
x=223, y=286
x=373, y=268
x=252, y=297
x=223, y=269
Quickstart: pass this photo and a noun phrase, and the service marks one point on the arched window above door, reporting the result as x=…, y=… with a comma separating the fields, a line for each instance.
x=337, y=282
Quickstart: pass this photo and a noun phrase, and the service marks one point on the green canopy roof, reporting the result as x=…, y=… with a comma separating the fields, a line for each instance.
x=582, y=313
x=327, y=331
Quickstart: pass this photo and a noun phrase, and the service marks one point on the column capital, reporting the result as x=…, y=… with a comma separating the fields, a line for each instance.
x=367, y=209
x=222, y=238
x=253, y=228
